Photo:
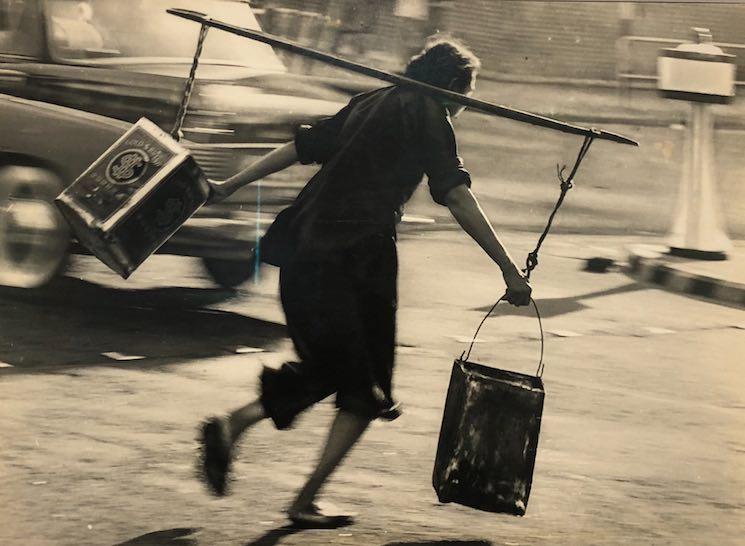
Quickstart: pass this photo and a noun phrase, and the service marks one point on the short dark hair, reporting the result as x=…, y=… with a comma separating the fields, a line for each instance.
x=443, y=60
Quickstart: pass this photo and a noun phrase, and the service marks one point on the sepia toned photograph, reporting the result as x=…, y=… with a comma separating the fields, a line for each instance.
x=372, y=272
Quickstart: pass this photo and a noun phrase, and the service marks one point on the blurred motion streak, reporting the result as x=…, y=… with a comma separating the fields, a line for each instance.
x=92, y=56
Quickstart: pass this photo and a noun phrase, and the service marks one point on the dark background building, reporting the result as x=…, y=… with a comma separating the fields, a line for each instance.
x=515, y=39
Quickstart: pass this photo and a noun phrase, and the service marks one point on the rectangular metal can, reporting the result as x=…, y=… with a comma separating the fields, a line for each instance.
x=134, y=197
x=489, y=438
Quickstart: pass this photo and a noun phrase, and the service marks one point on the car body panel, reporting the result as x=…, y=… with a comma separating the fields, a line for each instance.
x=66, y=141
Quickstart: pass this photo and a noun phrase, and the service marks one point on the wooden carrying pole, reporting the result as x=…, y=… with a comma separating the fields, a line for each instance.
x=473, y=104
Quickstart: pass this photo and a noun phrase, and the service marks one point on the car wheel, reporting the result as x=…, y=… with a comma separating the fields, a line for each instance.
x=34, y=237
x=230, y=273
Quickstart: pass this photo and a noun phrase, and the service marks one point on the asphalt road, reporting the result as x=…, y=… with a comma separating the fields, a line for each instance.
x=105, y=382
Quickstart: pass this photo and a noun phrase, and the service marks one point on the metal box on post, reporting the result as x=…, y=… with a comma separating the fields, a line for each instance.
x=697, y=72
x=134, y=197
x=489, y=438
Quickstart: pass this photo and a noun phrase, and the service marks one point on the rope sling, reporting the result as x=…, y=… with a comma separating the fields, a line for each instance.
x=565, y=184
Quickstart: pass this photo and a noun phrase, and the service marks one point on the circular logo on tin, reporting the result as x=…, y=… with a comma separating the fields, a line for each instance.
x=128, y=166
x=169, y=213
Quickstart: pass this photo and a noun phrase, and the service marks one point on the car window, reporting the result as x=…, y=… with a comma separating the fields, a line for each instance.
x=141, y=30
x=20, y=28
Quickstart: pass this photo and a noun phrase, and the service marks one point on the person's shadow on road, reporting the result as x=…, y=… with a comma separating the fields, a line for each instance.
x=183, y=537
x=553, y=307
x=272, y=538
x=443, y=543
x=180, y=536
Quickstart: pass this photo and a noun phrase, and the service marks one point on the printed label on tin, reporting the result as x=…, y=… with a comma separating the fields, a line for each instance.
x=120, y=173
x=128, y=166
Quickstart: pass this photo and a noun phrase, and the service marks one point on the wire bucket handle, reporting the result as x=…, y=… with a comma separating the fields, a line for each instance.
x=466, y=354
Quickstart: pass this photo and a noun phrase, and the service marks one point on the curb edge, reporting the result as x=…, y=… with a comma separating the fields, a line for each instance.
x=655, y=271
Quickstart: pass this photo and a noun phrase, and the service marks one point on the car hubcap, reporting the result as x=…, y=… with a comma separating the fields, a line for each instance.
x=33, y=239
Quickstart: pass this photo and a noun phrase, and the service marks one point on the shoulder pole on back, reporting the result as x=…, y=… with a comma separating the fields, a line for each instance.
x=473, y=104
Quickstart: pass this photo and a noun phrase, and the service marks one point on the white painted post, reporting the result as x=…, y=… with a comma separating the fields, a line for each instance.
x=702, y=74
x=697, y=230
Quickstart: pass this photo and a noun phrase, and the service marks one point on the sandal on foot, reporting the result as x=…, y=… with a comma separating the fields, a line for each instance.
x=314, y=518
x=216, y=455
x=391, y=413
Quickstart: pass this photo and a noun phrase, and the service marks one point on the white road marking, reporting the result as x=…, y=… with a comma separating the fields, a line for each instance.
x=113, y=355
x=658, y=331
x=563, y=333
x=5, y=365
x=242, y=350
x=409, y=219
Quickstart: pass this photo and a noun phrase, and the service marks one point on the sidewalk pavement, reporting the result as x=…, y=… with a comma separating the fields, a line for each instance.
x=723, y=281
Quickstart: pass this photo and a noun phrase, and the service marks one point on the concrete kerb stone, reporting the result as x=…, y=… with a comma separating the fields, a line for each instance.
x=650, y=264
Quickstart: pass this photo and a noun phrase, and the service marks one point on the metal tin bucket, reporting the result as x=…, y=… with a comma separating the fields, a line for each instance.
x=489, y=437
x=134, y=197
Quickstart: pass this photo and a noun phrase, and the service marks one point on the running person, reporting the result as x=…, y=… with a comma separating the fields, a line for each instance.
x=337, y=254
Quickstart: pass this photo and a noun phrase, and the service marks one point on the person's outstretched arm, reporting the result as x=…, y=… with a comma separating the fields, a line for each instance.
x=276, y=160
x=466, y=210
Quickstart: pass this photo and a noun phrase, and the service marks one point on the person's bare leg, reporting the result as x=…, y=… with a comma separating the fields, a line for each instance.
x=346, y=430
x=243, y=418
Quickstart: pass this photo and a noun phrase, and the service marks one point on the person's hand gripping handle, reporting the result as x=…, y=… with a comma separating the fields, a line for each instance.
x=218, y=192
x=518, y=288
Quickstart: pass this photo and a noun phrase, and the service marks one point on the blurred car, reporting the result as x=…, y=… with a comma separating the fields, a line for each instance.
x=44, y=148
x=126, y=60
